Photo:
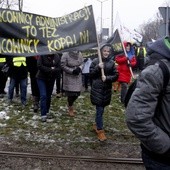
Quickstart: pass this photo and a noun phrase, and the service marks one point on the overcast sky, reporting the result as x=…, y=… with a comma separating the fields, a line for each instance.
x=132, y=13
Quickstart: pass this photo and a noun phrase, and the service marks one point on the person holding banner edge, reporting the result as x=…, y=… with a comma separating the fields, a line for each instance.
x=103, y=73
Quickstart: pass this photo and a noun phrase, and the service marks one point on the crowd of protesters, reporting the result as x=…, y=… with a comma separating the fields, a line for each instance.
x=146, y=115
x=70, y=72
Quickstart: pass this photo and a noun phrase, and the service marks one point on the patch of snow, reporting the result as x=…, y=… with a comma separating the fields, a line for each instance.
x=3, y=115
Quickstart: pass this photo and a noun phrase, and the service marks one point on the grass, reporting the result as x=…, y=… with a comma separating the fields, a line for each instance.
x=25, y=126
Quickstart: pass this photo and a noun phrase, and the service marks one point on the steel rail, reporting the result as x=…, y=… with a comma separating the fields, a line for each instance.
x=75, y=158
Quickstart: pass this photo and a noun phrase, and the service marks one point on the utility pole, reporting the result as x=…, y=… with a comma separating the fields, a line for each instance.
x=101, y=21
x=166, y=17
x=112, y=18
x=167, y=20
x=20, y=4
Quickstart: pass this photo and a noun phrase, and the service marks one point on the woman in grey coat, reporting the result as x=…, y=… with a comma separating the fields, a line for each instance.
x=71, y=64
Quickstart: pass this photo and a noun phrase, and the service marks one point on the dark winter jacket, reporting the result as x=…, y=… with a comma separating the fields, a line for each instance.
x=152, y=128
x=32, y=64
x=2, y=63
x=101, y=91
x=48, y=66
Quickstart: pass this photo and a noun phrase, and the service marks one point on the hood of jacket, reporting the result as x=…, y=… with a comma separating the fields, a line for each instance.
x=74, y=54
x=111, y=51
x=131, y=52
x=160, y=47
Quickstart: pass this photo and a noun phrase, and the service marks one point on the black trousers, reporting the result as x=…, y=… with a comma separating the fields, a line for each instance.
x=3, y=80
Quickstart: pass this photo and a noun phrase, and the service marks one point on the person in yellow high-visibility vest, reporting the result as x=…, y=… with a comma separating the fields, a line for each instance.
x=3, y=77
x=141, y=53
x=18, y=73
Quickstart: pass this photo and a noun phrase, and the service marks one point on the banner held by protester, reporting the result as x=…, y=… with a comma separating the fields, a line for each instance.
x=118, y=47
x=115, y=41
x=29, y=34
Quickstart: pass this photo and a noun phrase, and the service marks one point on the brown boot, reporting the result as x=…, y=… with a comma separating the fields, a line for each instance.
x=71, y=111
x=101, y=135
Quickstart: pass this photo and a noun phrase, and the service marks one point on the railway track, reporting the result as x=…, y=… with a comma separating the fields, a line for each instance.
x=74, y=158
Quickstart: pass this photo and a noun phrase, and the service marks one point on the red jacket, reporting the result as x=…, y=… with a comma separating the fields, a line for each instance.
x=123, y=68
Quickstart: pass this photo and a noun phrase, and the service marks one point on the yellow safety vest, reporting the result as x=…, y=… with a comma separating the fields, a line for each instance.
x=2, y=60
x=144, y=51
x=18, y=61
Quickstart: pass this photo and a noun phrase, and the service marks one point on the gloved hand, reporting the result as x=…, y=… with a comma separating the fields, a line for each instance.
x=54, y=71
x=101, y=65
x=77, y=71
x=129, y=65
x=103, y=78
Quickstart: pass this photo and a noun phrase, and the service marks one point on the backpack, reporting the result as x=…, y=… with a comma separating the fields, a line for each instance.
x=132, y=86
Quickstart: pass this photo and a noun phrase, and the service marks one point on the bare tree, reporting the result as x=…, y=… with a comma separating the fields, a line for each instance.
x=2, y=2
x=20, y=4
x=11, y=4
x=150, y=30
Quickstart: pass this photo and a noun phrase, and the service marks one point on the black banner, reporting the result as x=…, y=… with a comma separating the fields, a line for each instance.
x=26, y=34
x=116, y=43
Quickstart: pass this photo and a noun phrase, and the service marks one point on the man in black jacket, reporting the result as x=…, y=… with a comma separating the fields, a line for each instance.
x=3, y=77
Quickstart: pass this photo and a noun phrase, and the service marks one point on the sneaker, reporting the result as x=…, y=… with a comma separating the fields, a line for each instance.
x=58, y=95
x=1, y=95
x=23, y=106
x=50, y=116
x=9, y=101
x=43, y=118
x=17, y=95
x=4, y=92
x=63, y=94
x=35, y=108
x=24, y=103
x=101, y=135
x=86, y=90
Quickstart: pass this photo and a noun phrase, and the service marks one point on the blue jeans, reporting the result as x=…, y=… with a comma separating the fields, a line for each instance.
x=99, y=117
x=151, y=164
x=23, y=89
x=45, y=89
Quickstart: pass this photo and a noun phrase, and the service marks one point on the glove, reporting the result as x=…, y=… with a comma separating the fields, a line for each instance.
x=53, y=70
x=77, y=71
x=101, y=65
x=103, y=78
x=129, y=65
